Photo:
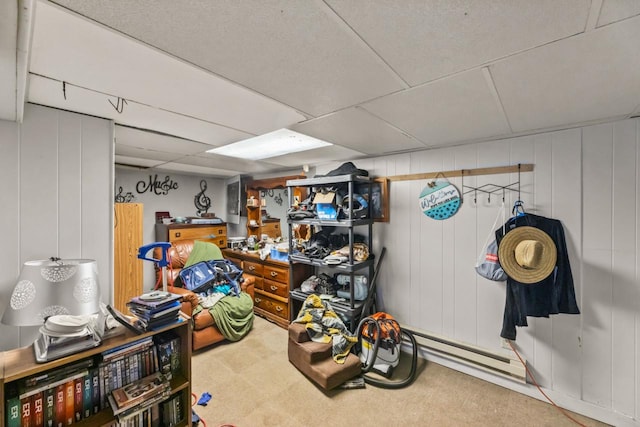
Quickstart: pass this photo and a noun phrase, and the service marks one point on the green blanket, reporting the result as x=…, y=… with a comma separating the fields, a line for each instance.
x=203, y=251
x=234, y=316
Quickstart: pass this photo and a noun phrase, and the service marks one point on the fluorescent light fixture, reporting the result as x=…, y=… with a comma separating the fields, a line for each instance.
x=272, y=144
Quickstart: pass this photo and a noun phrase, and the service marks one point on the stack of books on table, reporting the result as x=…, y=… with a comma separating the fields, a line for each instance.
x=139, y=395
x=154, y=313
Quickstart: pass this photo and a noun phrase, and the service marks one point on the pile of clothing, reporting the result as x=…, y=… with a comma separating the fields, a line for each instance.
x=533, y=253
x=332, y=248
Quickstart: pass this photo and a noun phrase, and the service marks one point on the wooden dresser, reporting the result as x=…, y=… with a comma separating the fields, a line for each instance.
x=214, y=233
x=272, y=284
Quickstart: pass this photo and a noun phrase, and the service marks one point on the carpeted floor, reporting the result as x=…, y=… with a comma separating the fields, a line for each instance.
x=252, y=384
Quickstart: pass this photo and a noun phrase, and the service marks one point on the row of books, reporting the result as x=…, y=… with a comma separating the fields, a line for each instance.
x=79, y=390
x=59, y=403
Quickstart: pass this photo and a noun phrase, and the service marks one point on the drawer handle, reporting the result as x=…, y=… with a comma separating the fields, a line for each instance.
x=258, y=300
x=178, y=234
x=274, y=288
x=251, y=267
x=278, y=308
x=274, y=274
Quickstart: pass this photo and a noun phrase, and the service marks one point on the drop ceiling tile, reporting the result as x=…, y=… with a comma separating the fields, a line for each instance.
x=425, y=40
x=127, y=136
x=356, y=129
x=199, y=170
x=125, y=150
x=71, y=48
x=294, y=51
x=454, y=109
x=588, y=77
x=316, y=156
x=224, y=162
x=617, y=10
x=49, y=92
x=136, y=161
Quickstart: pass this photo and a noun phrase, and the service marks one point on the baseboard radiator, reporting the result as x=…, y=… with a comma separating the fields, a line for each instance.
x=476, y=357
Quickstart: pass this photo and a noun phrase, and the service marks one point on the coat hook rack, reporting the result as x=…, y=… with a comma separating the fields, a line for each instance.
x=490, y=189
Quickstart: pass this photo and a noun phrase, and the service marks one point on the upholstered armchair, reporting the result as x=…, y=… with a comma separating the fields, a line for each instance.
x=205, y=331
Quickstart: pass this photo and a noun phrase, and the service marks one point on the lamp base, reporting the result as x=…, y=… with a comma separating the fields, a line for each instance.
x=48, y=348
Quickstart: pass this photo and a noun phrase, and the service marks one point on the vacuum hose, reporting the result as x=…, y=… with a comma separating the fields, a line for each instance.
x=371, y=357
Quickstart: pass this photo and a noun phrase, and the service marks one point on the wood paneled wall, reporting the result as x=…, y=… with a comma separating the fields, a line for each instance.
x=57, y=170
x=588, y=178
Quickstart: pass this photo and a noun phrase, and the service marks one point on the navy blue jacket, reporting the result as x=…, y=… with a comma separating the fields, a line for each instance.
x=553, y=295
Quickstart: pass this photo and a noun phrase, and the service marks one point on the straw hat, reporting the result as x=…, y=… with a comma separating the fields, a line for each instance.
x=527, y=254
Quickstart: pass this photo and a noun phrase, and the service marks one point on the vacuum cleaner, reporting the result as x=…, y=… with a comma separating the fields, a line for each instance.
x=380, y=337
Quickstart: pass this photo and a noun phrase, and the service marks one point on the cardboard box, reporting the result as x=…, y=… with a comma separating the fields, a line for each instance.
x=326, y=205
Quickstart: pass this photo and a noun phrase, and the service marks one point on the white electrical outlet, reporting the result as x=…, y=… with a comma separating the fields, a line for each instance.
x=505, y=343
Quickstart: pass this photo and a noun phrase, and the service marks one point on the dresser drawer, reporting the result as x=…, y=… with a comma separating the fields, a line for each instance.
x=214, y=234
x=273, y=306
x=252, y=268
x=258, y=284
x=276, y=288
x=275, y=273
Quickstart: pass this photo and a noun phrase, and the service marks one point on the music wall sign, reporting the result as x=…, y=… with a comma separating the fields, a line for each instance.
x=155, y=186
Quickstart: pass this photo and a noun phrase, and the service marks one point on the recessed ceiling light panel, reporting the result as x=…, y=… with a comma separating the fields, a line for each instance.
x=272, y=144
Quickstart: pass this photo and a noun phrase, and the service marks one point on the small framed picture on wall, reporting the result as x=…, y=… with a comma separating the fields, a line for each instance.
x=379, y=198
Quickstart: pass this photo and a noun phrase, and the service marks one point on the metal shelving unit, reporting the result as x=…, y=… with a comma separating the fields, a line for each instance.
x=352, y=309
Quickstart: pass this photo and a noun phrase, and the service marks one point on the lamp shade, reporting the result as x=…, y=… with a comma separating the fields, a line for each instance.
x=51, y=287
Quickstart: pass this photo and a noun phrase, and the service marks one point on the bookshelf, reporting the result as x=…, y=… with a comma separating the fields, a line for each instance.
x=19, y=365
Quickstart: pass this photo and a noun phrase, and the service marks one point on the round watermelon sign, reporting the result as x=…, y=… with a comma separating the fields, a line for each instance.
x=439, y=200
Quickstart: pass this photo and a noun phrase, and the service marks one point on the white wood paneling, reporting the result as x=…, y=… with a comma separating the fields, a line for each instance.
x=490, y=295
x=39, y=184
x=70, y=180
x=460, y=230
x=597, y=279
x=436, y=303
x=10, y=249
x=588, y=178
x=625, y=293
x=97, y=198
x=566, y=205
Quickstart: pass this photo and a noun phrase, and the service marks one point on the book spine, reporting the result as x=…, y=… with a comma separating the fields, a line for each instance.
x=77, y=398
x=69, y=402
x=175, y=355
x=60, y=412
x=164, y=358
x=179, y=409
x=155, y=415
x=37, y=405
x=95, y=390
x=25, y=412
x=12, y=406
x=86, y=396
x=50, y=407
